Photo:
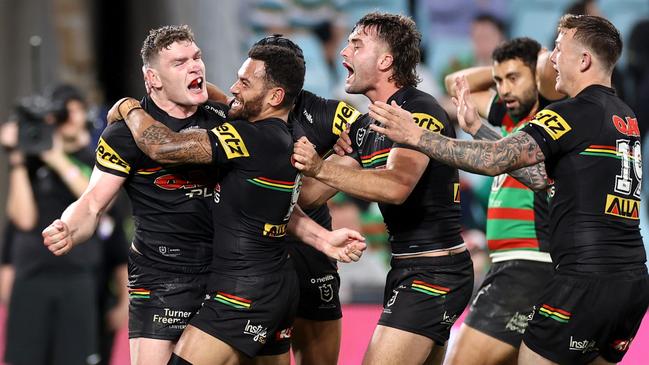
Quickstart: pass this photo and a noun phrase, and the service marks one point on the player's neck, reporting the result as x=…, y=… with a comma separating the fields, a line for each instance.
x=174, y=110
x=271, y=113
x=382, y=91
x=581, y=84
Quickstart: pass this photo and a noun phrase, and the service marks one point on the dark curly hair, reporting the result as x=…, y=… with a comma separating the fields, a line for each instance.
x=525, y=49
x=402, y=37
x=284, y=68
x=163, y=37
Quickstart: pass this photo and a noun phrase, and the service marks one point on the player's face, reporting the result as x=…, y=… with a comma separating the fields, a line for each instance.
x=516, y=86
x=249, y=90
x=566, y=59
x=182, y=73
x=361, y=59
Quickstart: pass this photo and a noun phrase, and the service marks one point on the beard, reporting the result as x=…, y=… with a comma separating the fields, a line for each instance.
x=526, y=103
x=249, y=109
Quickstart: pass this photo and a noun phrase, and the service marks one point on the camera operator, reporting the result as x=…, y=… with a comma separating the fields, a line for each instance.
x=53, y=307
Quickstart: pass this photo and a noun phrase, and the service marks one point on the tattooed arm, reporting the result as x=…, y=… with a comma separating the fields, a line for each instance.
x=159, y=142
x=483, y=157
x=534, y=177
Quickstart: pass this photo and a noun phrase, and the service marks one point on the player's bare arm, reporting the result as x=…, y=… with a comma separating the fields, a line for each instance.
x=483, y=157
x=159, y=142
x=391, y=185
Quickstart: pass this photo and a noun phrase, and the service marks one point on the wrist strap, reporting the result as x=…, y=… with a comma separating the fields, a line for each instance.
x=127, y=106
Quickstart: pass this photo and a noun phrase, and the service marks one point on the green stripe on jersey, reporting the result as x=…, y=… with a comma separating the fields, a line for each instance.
x=512, y=198
x=498, y=229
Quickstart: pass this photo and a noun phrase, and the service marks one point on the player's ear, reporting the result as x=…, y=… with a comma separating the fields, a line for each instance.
x=385, y=61
x=152, y=78
x=277, y=95
x=586, y=61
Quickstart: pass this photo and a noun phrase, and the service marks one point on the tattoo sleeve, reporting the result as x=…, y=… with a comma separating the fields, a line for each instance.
x=166, y=146
x=483, y=157
x=534, y=177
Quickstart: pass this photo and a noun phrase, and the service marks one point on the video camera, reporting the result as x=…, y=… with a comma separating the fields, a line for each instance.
x=36, y=123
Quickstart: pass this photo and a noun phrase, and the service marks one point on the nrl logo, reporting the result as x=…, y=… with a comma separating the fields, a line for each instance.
x=393, y=299
x=326, y=292
x=360, y=135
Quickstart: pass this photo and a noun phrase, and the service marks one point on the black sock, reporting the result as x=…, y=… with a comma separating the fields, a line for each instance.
x=177, y=360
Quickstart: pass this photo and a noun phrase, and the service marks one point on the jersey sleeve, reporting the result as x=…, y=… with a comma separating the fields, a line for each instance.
x=116, y=151
x=328, y=116
x=555, y=128
x=230, y=143
x=429, y=115
x=357, y=134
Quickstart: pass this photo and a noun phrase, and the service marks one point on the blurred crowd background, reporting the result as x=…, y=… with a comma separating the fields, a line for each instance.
x=93, y=47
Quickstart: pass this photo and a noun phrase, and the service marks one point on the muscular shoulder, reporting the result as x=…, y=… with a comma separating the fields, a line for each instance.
x=427, y=112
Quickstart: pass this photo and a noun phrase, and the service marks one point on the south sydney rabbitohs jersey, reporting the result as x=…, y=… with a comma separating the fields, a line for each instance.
x=171, y=204
x=429, y=219
x=517, y=217
x=592, y=149
x=321, y=121
x=257, y=190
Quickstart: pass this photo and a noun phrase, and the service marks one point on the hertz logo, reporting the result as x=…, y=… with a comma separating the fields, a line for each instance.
x=345, y=115
x=274, y=230
x=108, y=158
x=456, y=192
x=552, y=122
x=231, y=141
x=428, y=122
x=622, y=207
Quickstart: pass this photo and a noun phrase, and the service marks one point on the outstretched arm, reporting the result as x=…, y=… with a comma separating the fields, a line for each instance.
x=343, y=244
x=533, y=177
x=79, y=221
x=483, y=157
x=159, y=142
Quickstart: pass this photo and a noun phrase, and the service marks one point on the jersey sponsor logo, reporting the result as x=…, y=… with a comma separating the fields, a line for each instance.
x=621, y=345
x=258, y=332
x=583, y=346
x=107, y=157
x=231, y=141
x=428, y=122
x=284, y=334
x=557, y=314
x=552, y=122
x=345, y=116
x=274, y=230
x=448, y=320
x=630, y=127
x=175, y=182
x=456, y=192
x=216, y=111
x=517, y=323
x=173, y=317
x=622, y=207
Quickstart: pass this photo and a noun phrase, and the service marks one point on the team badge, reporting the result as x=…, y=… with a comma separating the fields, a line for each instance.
x=326, y=292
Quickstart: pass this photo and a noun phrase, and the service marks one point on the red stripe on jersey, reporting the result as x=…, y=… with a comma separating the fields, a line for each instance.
x=510, y=182
x=376, y=153
x=495, y=245
x=276, y=181
x=511, y=213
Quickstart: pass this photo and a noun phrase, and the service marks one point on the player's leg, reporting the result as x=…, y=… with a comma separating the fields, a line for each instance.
x=528, y=357
x=281, y=359
x=317, y=329
x=200, y=348
x=150, y=351
x=316, y=342
x=474, y=347
x=437, y=355
x=394, y=346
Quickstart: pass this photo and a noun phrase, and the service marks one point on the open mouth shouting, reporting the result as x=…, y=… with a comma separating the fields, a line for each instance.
x=196, y=85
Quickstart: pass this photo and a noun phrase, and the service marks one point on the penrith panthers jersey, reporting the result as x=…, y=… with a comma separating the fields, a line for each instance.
x=592, y=149
x=171, y=204
x=429, y=219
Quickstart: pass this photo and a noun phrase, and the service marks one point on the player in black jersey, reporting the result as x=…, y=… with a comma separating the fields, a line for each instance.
x=317, y=328
x=432, y=277
x=171, y=204
x=590, y=143
x=517, y=218
x=253, y=288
